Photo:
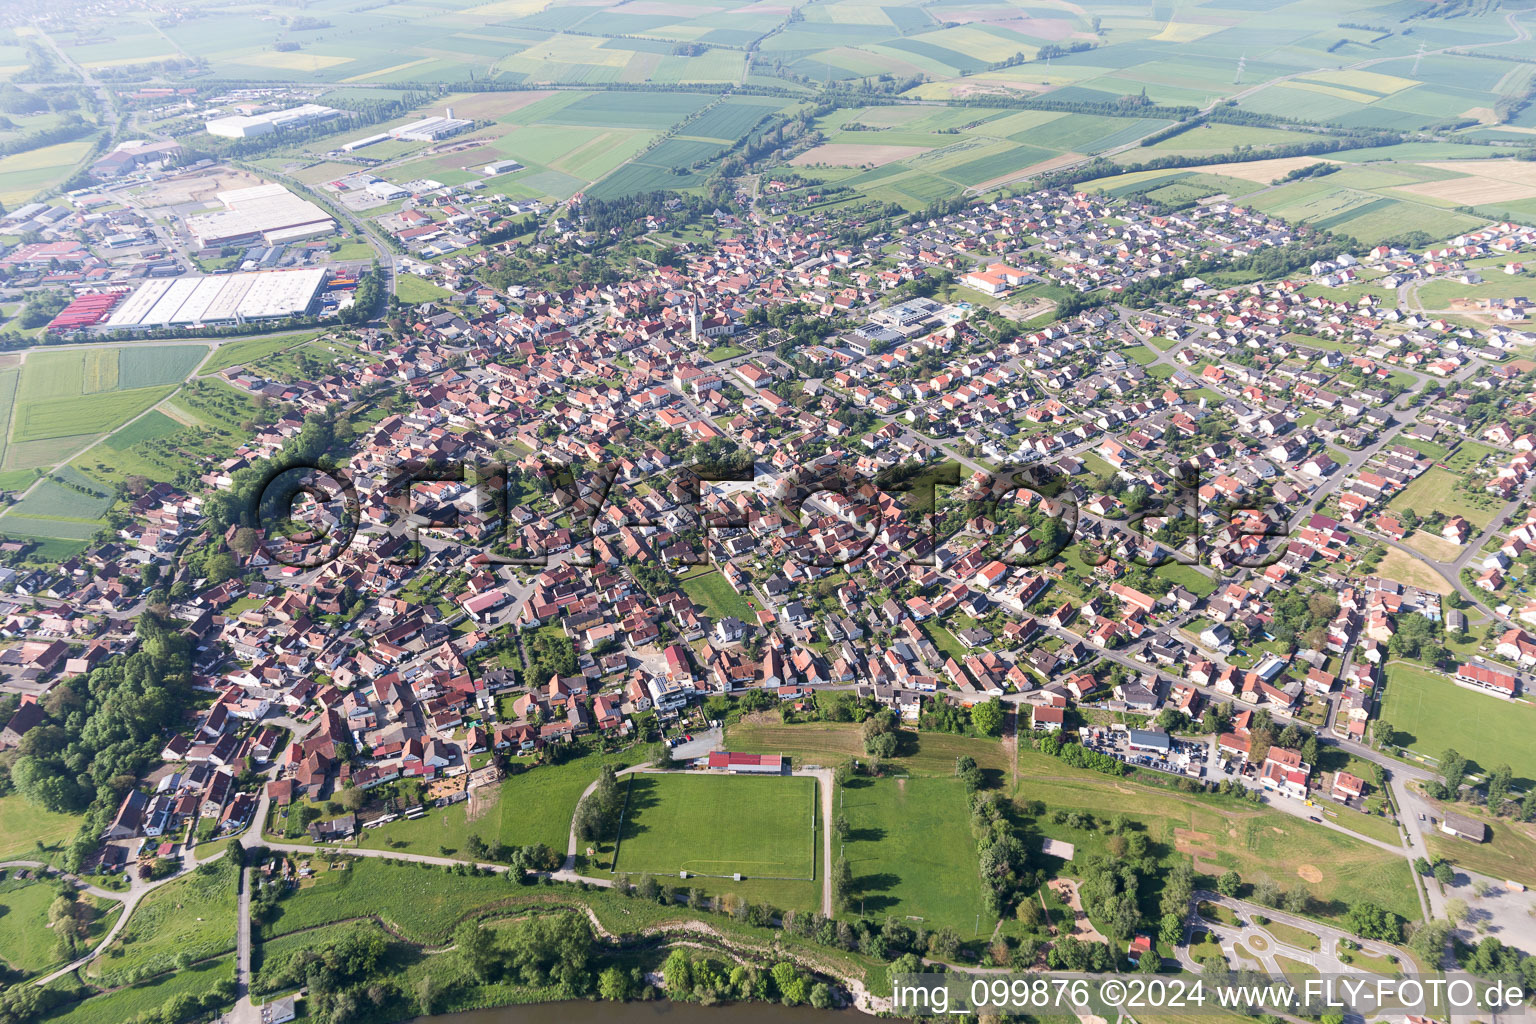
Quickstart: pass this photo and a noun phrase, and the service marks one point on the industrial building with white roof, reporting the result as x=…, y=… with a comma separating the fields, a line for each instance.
x=218, y=299
x=269, y=212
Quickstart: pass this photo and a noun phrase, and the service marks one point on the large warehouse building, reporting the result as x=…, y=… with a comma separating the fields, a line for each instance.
x=218, y=299
x=269, y=212
x=242, y=126
x=430, y=129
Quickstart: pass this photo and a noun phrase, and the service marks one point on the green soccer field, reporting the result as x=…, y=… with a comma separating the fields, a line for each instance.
x=761, y=827
x=1436, y=714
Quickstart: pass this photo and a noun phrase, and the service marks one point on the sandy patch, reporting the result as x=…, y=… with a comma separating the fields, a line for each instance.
x=1082, y=928
x=1404, y=568
x=1486, y=181
x=481, y=800
x=1262, y=171
x=850, y=154
x=1309, y=873
x=294, y=60
x=196, y=187
x=1192, y=844
x=1037, y=168
x=1485, y=115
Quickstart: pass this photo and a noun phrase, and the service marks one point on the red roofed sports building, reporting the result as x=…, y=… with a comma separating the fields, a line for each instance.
x=1488, y=680
x=748, y=764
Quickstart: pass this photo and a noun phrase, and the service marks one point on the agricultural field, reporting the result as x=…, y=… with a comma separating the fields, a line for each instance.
x=567, y=141
x=1367, y=200
x=66, y=398
x=63, y=402
x=52, y=499
x=693, y=823
x=910, y=854
x=24, y=175
x=1430, y=714
x=146, y=428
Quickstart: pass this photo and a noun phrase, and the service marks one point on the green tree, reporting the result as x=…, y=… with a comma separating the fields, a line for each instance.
x=987, y=717
x=477, y=946
x=614, y=985
x=677, y=973
x=842, y=881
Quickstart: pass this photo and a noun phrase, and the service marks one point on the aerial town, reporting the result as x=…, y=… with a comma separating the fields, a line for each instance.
x=423, y=591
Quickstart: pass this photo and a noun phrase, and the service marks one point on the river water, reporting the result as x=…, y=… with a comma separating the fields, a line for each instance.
x=657, y=1012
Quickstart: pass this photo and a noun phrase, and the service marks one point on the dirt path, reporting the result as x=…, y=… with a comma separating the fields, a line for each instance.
x=1082, y=928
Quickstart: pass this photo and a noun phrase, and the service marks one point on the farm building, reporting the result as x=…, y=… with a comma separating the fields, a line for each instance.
x=748, y=764
x=1463, y=827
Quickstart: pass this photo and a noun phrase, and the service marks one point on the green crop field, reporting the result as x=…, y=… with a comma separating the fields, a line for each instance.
x=911, y=855
x=38, y=420
x=730, y=121
x=13, y=525
x=695, y=823
x=147, y=427
x=8, y=378
x=156, y=365
x=50, y=498
x=1432, y=714
x=631, y=109
x=64, y=398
